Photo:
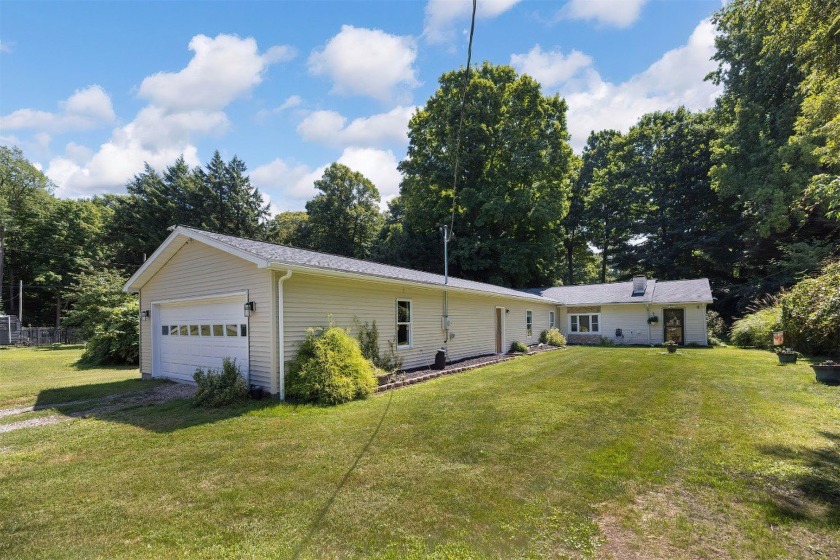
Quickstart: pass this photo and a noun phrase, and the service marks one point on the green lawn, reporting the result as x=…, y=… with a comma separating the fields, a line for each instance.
x=49, y=374
x=588, y=452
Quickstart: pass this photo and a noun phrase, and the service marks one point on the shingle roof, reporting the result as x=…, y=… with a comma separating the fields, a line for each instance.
x=673, y=291
x=282, y=254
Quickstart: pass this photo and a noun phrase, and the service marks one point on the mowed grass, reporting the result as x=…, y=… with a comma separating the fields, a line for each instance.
x=587, y=452
x=50, y=374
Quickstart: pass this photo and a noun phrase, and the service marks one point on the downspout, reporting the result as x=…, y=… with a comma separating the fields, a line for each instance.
x=648, y=321
x=281, y=358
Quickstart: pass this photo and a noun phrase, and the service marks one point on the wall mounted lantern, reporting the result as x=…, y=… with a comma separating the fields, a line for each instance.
x=144, y=315
x=250, y=307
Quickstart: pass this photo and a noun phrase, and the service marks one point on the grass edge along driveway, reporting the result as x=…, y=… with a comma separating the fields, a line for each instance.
x=589, y=452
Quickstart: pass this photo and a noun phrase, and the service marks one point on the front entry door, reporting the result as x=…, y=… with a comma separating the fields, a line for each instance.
x=674, y=320
x=499, y=317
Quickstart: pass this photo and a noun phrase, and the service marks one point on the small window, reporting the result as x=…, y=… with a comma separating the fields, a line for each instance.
x=184, y=330
x=529, y=323
x=193, y=330
x=230, y=330
x=551, y=322
x=164, y=330
x=205, y=330
x=243, y=330
x=403, y=323
x=173, y=330
x=218, y=330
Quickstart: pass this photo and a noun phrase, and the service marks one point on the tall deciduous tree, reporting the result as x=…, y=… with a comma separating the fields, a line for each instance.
x=344, y=217
x=25, y=193
x=287, y=228
x=612, y=203
x=513, y=179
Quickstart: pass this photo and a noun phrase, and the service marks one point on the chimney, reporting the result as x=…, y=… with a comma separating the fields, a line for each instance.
x=639, y=284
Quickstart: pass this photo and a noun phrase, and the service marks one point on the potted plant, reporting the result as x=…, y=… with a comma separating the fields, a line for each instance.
x=671, y=346
x=787, y=355
x=827, y=372
x=652, y=319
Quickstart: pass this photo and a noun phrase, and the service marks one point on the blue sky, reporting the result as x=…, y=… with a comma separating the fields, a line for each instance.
x=90, y=90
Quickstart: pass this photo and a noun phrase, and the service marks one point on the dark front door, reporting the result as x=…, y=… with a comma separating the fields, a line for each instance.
x=674, y=320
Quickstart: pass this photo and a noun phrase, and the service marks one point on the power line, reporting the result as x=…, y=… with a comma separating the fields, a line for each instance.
x=461, y=119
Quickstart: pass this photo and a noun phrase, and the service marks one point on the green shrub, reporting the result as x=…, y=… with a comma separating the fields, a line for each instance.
x=715, y=326
x=220, y=387
x=811, y=313
x=553, y=337
x=330, y=369
x=604, y=341
x=369, y=344
x=518, y=347
x=117, y=340
x=756, y=329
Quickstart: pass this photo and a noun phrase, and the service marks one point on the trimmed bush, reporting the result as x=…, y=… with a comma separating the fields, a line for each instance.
x=520, y=347
x=220, y=387
x=330, y=369
x=117, y=340
x=756, y=329
x=553, y=337
x=811, y=313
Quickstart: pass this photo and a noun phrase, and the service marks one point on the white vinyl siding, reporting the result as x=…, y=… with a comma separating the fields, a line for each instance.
x=314, y=301
x=197, y=270
x=632, y=320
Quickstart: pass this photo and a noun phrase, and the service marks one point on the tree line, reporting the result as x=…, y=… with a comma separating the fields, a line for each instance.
x=746, y=193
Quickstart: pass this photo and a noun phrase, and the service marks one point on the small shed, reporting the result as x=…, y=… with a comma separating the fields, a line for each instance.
x=9, y=329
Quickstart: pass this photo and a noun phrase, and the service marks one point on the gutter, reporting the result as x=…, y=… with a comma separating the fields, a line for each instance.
x=281, y=351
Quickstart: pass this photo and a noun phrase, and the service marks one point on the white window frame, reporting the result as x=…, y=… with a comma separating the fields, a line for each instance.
x=552, y=319
x=410, y=324
x=590, y=315
x=529, y=323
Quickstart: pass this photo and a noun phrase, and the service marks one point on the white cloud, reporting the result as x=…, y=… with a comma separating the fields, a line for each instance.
x=290, y=185
x=6, y=47
x=612, y=13
x=290, y=102
x=86, y=109
x=222, y=69
x=550, y=68
x=185, y=105
x=441, y=15
x=367, y=62
x=331, y=129
x=673, y=80
x=380, y=166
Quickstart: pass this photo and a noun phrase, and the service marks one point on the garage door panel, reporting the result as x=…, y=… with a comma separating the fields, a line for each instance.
x=207, y=332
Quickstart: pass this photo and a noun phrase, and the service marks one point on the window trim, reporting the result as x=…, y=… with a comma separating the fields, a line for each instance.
x=590, y=315
x=529, y=323
x=552, y=319
x=410, y=324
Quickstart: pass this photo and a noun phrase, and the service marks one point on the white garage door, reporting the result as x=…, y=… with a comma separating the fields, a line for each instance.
x=199, y=334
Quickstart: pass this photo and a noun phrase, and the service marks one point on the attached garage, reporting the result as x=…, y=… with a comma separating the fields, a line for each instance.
x=199, y=333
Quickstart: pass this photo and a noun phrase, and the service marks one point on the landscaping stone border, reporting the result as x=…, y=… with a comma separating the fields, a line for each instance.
x=412, y=379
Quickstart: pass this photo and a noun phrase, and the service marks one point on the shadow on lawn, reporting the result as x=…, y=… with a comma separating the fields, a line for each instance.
x=814, y=493
x=325, y=509
x=155, y=405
